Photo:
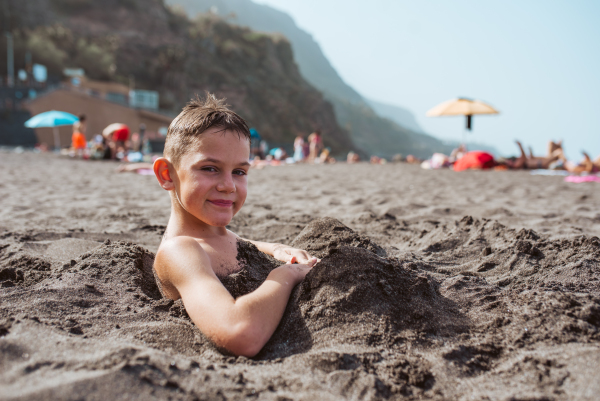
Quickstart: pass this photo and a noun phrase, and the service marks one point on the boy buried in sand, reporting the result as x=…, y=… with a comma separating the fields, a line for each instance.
x=205, y=168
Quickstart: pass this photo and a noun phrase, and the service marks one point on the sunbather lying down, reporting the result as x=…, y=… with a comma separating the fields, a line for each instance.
x=587, y=165
x=554, y=159
x=524, y=161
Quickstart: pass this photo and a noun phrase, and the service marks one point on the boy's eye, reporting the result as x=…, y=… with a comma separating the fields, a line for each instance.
x=209, y=169
x=239, y=172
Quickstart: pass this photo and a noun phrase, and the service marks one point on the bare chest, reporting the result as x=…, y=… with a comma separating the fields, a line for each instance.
x=223, y=257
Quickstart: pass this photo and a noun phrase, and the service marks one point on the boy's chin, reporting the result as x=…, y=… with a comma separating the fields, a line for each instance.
x=220, y=224
x=223, y=222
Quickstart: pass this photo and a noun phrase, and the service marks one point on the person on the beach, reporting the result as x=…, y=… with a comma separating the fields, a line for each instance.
x=457, y=153
x=352, y=157
x=326, y=158
x=299, y=148
x=205, y=168
x=410, y=159
x=316, y=145
x=587, y=165
x=524, y=161
x=78, y=141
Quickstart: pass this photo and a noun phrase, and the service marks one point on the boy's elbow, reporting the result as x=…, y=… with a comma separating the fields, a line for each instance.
x=245, y=339
x=247, y=350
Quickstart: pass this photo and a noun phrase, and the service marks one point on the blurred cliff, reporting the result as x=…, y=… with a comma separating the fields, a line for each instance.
x=377, y=128
x=146, y=45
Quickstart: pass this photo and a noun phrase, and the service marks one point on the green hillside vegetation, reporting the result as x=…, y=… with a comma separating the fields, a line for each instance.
x=370, y=131
x=114, y=40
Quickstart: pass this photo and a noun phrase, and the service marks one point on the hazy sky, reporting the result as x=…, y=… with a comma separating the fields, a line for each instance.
x=537, y=62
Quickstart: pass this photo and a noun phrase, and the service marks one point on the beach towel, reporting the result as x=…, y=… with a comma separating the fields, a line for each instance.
x=476, y=160
x=549, y=172
x=584, y=178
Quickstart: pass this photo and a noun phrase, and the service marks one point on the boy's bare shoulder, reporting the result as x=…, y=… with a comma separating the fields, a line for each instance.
x=178, y=260
x=177, y=242
x=173, y=251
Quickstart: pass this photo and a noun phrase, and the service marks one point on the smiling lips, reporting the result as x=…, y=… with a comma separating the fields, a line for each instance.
x=221, y=202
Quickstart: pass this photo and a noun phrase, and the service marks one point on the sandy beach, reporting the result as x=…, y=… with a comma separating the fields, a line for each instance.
x=433, y=285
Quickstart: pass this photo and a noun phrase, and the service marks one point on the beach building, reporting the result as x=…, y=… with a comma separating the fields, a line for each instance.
x=13, y=113
x=103, y=103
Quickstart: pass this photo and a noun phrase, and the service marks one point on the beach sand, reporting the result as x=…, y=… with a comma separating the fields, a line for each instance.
x=432, y=285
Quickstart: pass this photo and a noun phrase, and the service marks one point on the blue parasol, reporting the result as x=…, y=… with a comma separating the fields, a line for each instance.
x=254, y=134
x=52, y=119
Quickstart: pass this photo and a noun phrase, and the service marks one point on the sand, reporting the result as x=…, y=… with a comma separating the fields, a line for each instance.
x=432, y=285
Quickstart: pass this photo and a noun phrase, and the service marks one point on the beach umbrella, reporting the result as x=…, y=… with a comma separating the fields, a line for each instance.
x=115, y=128
x=461, y=107
x=52, y=119
x=254, y=134
x=254, y=140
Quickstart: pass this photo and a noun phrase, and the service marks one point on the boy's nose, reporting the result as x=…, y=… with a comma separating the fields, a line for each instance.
x=226, y=184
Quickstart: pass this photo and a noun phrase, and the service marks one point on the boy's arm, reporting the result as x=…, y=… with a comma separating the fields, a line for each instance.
x=242, y=326
x=284, y=253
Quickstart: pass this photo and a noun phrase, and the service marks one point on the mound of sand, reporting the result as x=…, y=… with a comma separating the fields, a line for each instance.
x=352, y=297
x=472, y=307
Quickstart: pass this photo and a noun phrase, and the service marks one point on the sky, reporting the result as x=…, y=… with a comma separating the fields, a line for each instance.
x=536, y=61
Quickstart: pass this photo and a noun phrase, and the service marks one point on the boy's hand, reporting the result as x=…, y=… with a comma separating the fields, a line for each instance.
x=292, y=255
x=285, y=253
x=299, y=271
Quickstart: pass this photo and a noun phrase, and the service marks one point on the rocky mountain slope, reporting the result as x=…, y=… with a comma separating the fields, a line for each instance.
x=180, y=57
x=375, y=131
x=312, y=63
x=397, y=114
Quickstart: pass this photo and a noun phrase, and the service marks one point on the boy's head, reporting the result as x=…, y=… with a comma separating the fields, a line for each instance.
x=205, y=162
x=197, y=117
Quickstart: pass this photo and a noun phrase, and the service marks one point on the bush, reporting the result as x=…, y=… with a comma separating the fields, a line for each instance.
x=44, y=51
x=72, y=6
x=97, y=62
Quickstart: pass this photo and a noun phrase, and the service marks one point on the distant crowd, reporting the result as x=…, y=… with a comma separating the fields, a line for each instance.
x=554, y=160
x=116, y=143
x=306, y=150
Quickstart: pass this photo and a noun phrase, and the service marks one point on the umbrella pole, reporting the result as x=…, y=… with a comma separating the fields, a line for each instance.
x=467, y=127
x=56, y=138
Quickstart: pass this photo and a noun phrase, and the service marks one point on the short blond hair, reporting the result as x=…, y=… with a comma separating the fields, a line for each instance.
x=196, y=117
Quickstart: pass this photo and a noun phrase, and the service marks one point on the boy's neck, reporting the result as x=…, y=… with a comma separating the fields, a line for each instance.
x=181, y=223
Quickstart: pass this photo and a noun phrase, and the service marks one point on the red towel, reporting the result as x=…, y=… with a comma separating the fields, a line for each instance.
x=476, y=160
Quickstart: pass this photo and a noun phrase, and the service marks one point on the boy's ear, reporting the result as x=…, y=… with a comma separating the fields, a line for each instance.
x=162, y=173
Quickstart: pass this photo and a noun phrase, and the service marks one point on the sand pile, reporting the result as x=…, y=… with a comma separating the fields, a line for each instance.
x=352, y=297
x=467, y=308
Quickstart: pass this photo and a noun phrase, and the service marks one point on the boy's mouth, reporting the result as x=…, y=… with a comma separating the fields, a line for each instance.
x=221, y=202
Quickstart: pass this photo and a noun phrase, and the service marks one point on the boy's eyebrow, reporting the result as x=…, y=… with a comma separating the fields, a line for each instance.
x=211, y=160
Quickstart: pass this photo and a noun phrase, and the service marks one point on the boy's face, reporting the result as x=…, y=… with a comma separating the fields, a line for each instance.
x=213, y=176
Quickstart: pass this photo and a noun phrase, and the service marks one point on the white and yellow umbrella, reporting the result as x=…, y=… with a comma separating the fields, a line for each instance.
x=461, y=107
